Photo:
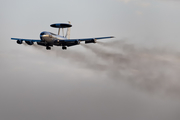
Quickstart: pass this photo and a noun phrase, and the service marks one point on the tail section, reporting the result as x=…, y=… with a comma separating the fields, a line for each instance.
x=68, y=31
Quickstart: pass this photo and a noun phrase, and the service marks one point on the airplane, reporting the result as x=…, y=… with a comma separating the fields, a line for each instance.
x=49, y=39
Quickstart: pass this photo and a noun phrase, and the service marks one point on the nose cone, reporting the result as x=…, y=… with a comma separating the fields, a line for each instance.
x=43, y=34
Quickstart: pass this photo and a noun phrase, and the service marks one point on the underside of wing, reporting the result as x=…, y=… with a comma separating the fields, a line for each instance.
x=66, y=42
x=28, y=41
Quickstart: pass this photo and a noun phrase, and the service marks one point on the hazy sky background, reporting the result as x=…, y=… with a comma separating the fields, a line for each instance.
x=134, y=76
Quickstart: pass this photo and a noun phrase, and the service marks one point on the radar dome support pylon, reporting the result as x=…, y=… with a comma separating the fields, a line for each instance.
x=63, y=25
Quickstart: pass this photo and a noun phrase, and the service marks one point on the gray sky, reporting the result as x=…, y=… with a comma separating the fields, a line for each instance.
x=132, y=77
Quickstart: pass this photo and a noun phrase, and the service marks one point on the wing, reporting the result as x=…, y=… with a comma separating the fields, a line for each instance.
x=71, y=42
x=98, y=38
x=30, y=40
x=87, y=39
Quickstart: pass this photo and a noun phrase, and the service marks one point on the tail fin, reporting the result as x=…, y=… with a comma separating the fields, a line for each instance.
x=68, y=31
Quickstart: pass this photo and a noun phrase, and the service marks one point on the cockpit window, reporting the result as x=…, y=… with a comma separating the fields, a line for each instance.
x=42, y=33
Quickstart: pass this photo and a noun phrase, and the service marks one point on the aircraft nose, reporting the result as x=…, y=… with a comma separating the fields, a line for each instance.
x=44, y=35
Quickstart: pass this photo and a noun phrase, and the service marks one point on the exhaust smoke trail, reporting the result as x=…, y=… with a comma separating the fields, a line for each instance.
x=74, y=57
x=153, y=70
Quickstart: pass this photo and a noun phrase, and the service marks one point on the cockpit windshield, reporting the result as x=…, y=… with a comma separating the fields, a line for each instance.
x=42, y=33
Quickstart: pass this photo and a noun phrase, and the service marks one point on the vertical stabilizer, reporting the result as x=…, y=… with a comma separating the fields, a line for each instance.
x=68, y=31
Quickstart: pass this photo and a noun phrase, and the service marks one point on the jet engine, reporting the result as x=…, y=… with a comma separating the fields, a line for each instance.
x=29, y=42
x=19, y=41
x=77, y=42
x=90, y=41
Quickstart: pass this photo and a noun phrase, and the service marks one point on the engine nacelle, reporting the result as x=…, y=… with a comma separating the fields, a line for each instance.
x=19, y=41
x=29, y=42
x=77, y=42
x=90, y=41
